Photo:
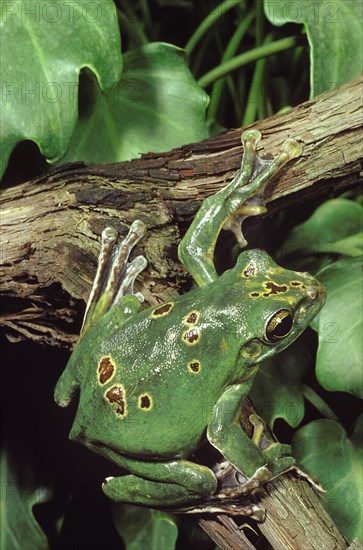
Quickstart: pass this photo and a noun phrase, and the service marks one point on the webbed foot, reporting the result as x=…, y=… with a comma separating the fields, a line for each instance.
x=241, y=198
x=115, y=276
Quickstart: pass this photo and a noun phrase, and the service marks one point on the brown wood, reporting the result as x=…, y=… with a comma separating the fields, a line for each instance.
x=51, y=225
x=295, y=520
x=224, y=532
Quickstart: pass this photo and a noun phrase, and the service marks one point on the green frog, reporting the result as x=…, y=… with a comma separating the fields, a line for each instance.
x=155, y=384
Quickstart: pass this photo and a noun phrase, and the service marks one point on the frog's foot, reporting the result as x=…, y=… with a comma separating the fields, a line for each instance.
x=178, y=486
x=241, y=198
x=115, y=275
x=226, y=506
x=245, y=199
x=187, y=498
x=261, y=461
x=232, y=484
x=278, y=455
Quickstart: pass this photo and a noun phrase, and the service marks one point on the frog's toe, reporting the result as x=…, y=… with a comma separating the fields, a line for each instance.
x=292, y=148
x=110, y=488
x=276, y=450
x=133, y=269
x=281, y=465
x=252, y=136
x=227, y=506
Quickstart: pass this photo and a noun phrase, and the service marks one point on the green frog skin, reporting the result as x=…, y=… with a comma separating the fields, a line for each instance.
x=154, y=384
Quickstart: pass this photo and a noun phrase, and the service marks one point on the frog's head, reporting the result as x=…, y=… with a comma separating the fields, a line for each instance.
x=277, y=304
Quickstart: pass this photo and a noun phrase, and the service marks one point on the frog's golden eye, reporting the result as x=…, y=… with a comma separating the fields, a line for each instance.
x=279, y=325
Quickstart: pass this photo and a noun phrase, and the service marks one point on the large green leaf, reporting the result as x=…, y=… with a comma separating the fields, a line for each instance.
x=340, y=327
x=145, y=528
x=326, y=451
x=334, y=229
x=19, y=528
x=157, y=105
x=335, y=34
x=44, y=45
x=328, y=230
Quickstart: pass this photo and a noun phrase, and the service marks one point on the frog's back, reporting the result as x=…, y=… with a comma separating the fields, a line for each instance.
x=158, y=375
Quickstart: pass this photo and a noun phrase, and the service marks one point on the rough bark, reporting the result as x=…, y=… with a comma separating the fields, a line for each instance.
x=51, y=225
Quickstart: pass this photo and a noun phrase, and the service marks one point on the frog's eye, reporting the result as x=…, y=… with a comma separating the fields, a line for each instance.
x=279, y=325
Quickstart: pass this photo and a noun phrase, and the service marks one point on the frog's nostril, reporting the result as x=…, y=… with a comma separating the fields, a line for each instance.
x=312, y=293
x=317, y=291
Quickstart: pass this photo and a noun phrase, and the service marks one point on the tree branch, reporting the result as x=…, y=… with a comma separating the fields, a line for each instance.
x=295, y=516
x=51, y=225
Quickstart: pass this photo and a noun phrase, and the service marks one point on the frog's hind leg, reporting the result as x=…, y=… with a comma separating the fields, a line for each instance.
x=191, y=492
x=158, y=484
x=115, y=276
x=241, y=198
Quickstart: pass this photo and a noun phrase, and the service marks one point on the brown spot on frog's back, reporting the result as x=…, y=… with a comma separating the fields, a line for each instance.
x=194, y=366
x=106, y=369
x=250, y=270
x=191, y=336
x=162, y=310
x=145, y=402
x=116, y=396
x=191, y=318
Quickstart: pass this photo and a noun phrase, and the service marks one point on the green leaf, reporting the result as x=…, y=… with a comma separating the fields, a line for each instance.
x=144, y=528
x=157, y=105
x=335, y=228
x=19, y=528
x=277, y=391
x=340, y=327
x=331, y=223
x=325, y=450
x=43, y=48
x=335, y=34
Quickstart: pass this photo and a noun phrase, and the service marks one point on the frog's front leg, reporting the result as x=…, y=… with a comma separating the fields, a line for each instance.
x=115, y=276
x=278, y=455
x=241, y=198
x=257, y=464
x=113, y=286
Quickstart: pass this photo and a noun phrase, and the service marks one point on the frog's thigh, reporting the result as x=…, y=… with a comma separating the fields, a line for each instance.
x=162, y=484
x=226, y=434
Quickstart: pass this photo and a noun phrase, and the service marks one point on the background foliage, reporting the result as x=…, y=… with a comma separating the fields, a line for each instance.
x=185, y=70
